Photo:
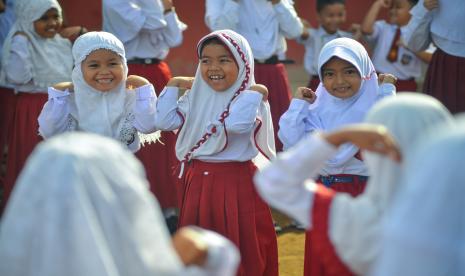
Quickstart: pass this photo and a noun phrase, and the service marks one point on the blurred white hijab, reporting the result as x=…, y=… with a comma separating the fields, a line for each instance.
x=355, y=223
x=82, y=206
x=424, y=232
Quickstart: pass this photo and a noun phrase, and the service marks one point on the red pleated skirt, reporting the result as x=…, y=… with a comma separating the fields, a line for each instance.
x=221, y=197
x=274, y=77
x=159, y=159
x=24, y=137
x=445, y=80
x=7, y=115
x=314, y=263
x=406, y=85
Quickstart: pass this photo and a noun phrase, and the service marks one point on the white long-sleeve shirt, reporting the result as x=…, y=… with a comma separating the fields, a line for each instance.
x=56, y=118
x=239, y=124
x=294, y=125
x=143, y=35
x=265, y=35
x=443, y=25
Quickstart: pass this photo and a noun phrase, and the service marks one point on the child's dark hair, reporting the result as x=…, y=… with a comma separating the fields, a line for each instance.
x=211, y=40
x=413, y=2
x=320, y=4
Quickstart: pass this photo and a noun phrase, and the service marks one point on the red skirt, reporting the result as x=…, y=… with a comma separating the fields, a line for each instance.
x=316, y=262
x=24, y=137
x=159, y=160
x=274, y=77
x=7, y=115
x=445, y=80
x=221, y=197
x=406, y=85
x=313, y=82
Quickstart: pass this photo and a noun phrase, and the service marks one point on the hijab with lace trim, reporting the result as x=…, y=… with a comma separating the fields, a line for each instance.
x=356, y=223
x=106, y=113
x=205, y=109
x=329, y=112
x=51, y=61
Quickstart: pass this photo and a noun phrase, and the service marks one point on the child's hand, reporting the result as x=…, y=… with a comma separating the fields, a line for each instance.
x=181, y=82
x=62, y=86
x=367, y=137
x=387, y=78
x=72, y=32
x=167, y=4
x=306, y=94
x=385, y=3
x=188, y=243
x=260, y=88
x=356, y=31
x=21, y=33
x=431, y=4
x=134, y=82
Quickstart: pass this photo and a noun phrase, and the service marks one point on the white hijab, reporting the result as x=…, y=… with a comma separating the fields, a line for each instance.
x=329, y=112
x=82, y=206
x=202, y=106
x=50, y=57
x=424, y=232
x=355, y=223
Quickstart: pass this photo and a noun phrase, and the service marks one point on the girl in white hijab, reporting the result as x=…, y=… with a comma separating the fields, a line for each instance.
x=34, y=56
x=101, y=99
x=94, y=215
x=345, y=230
x=225, y=122
x=424, y=234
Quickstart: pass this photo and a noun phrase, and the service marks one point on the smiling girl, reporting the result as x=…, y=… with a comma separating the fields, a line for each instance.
x=224, y=121
x=101, y=99
x=348, y=89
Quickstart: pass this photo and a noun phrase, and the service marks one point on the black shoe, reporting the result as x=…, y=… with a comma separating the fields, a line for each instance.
x=172, y=223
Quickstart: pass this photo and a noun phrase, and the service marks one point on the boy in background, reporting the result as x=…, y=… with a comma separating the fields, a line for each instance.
x=331, y=15
x=390, y=55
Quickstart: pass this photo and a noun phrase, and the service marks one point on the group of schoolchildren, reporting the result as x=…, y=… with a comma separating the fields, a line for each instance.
x=82, y=204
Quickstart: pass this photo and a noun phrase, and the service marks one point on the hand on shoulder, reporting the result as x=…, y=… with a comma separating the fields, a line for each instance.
x=387, y=78
x=62, y=86
x=181, y=82
x=134, y=81
x=260, y=88
x=190, y=246
x=306, y=94
x=431, y=4
x=21, y=33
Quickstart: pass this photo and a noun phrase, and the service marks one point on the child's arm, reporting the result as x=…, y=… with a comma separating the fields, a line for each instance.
x=172, y=34
x=292, y=124
x=425, y=56
x=145, y=106
x=286, y=183
x=166, y=116
x=289, y=23
x=372, y=15
x=55, y=116
x=387, y=84
x=244, y=109
x=222, y=14
x=18, y=70
x=416, y=34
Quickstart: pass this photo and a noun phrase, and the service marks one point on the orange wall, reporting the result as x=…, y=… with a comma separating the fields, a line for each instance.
x=183, y=58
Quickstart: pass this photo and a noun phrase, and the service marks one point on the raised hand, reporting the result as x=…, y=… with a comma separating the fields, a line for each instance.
x=260, y=88
x=62, y=86
x=134, y=82
x=306, y=94
x=181, y=82
x=431, y=4
x=387, y=78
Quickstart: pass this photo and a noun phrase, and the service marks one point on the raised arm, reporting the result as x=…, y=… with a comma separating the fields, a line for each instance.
x=222, y=14
x=372, y=15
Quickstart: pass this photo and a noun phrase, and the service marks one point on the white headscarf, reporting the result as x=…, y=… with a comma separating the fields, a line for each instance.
x=424, y=232
x=355, y=223
x=82, y=206
x=203, y=106
x=51, y=57
x=329, y=112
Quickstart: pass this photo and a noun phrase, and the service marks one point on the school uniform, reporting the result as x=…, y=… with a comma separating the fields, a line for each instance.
x=265, y=26
x=30, y=65
x=313, y=44
x=345, y=172
x=444, y=27
x=344, y=231
x=216, y=149
x=148, y=34
x=403, y=63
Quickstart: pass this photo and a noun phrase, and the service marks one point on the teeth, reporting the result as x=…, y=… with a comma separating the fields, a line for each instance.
x=216, y=77
x=104, y=81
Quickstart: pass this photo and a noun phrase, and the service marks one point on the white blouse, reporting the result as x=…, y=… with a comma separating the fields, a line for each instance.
x=56, y=118
x=265, y=40
x=147, y=37
x=294, y=125
x=239, y=124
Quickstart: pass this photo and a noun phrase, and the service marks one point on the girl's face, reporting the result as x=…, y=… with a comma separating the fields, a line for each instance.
x=218, y=67
x=340, y=78
x=103, y=70
x=49, y=24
